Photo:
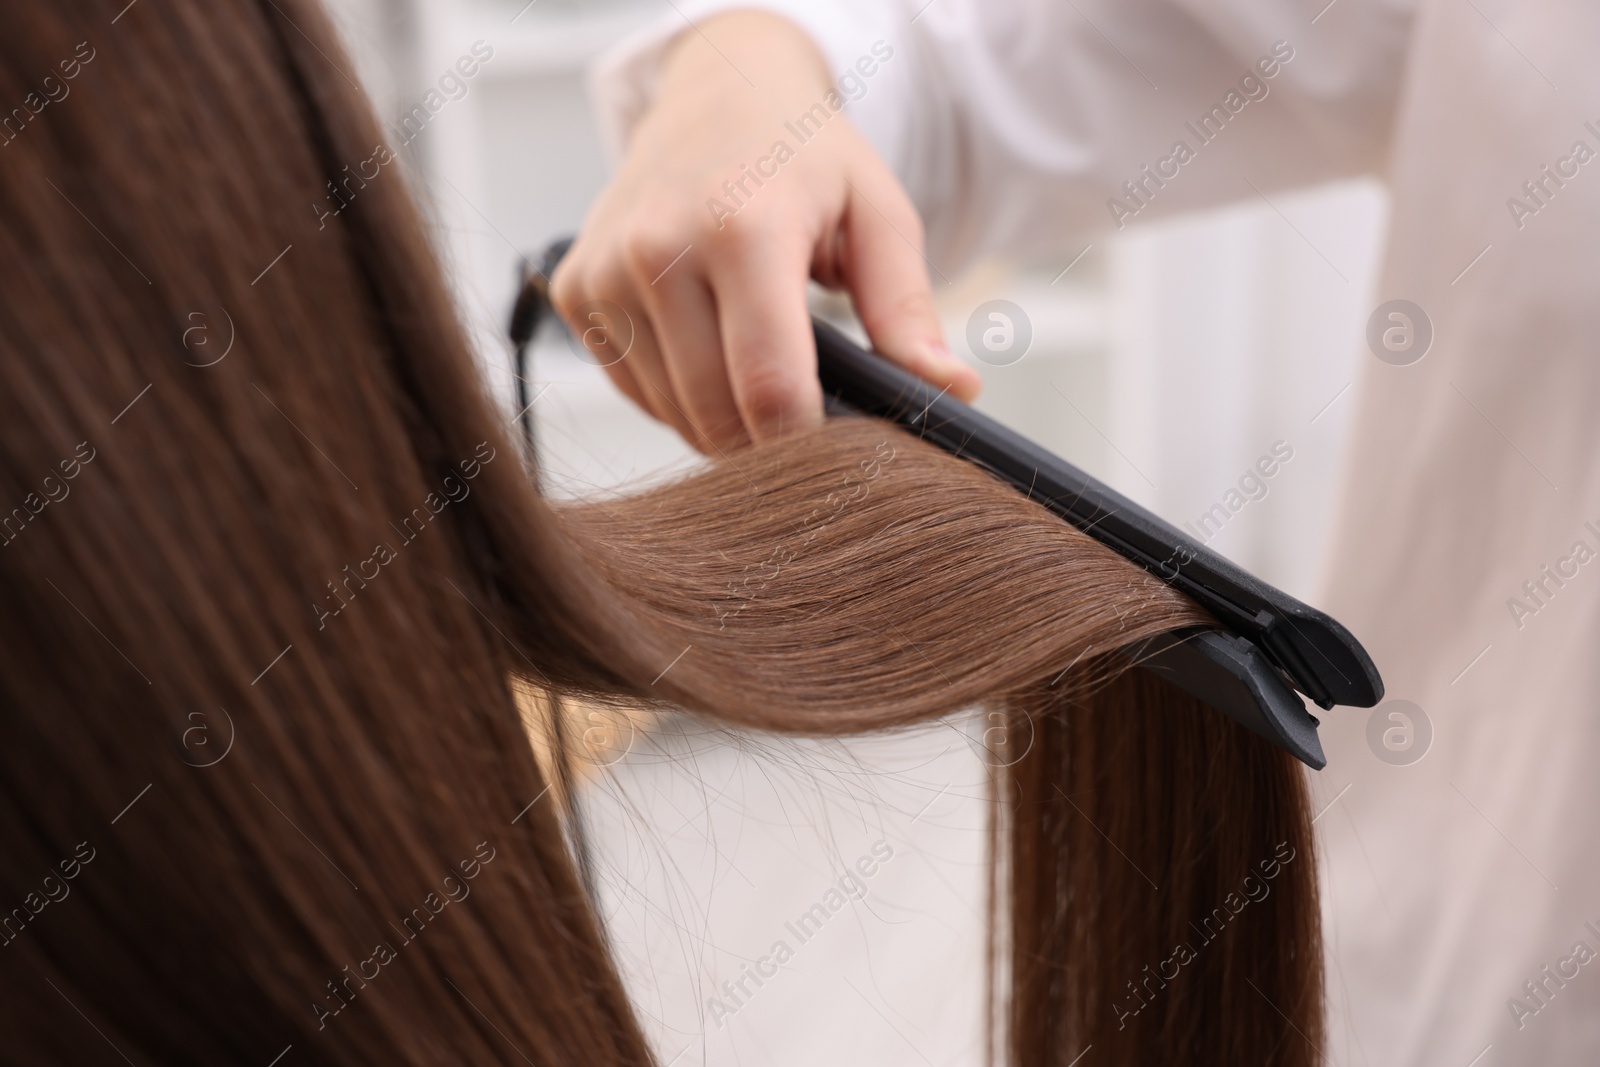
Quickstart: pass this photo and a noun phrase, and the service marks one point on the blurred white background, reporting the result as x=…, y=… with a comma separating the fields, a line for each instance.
x=1166, y=362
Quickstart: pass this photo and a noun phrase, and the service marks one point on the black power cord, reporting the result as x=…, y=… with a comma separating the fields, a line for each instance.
x=532, y=307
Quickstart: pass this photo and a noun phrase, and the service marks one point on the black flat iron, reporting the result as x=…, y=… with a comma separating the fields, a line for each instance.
x=1273, y=644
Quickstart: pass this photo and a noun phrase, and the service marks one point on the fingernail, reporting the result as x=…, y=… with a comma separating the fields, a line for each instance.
x=939, y=359
x=964, y=381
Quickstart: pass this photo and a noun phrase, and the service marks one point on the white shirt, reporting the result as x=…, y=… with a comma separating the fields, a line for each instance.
x=1451, y=883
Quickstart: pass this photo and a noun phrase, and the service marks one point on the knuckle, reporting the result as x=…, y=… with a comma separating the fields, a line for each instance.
x=772, y=399
x=566, y=288
x=915, y=306
x=904, y=316
x=753, y=228
x=898, y=213
x=722, y=425
x=762, y=232
x=878, y=178
x=650, y=247
x=909, y=221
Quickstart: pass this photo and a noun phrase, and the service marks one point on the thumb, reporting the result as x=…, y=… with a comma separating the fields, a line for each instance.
x=888, y=280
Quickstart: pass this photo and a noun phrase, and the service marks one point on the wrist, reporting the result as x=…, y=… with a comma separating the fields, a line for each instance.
x=756, y=54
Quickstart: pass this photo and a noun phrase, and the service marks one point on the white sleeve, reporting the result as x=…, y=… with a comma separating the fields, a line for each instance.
x=1024, y=127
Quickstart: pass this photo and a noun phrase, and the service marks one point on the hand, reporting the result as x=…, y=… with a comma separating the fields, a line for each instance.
x=717, y=218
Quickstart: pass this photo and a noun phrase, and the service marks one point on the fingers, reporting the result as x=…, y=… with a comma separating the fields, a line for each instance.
x=724, y=357
x=888, y=280
x=722, y=348
x=633, y=364
x=685, y=315
x=759, y=278
x=655, y=384
x=622, y=377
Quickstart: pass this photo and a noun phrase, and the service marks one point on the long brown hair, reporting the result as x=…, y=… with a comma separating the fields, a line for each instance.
x=271, y=561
